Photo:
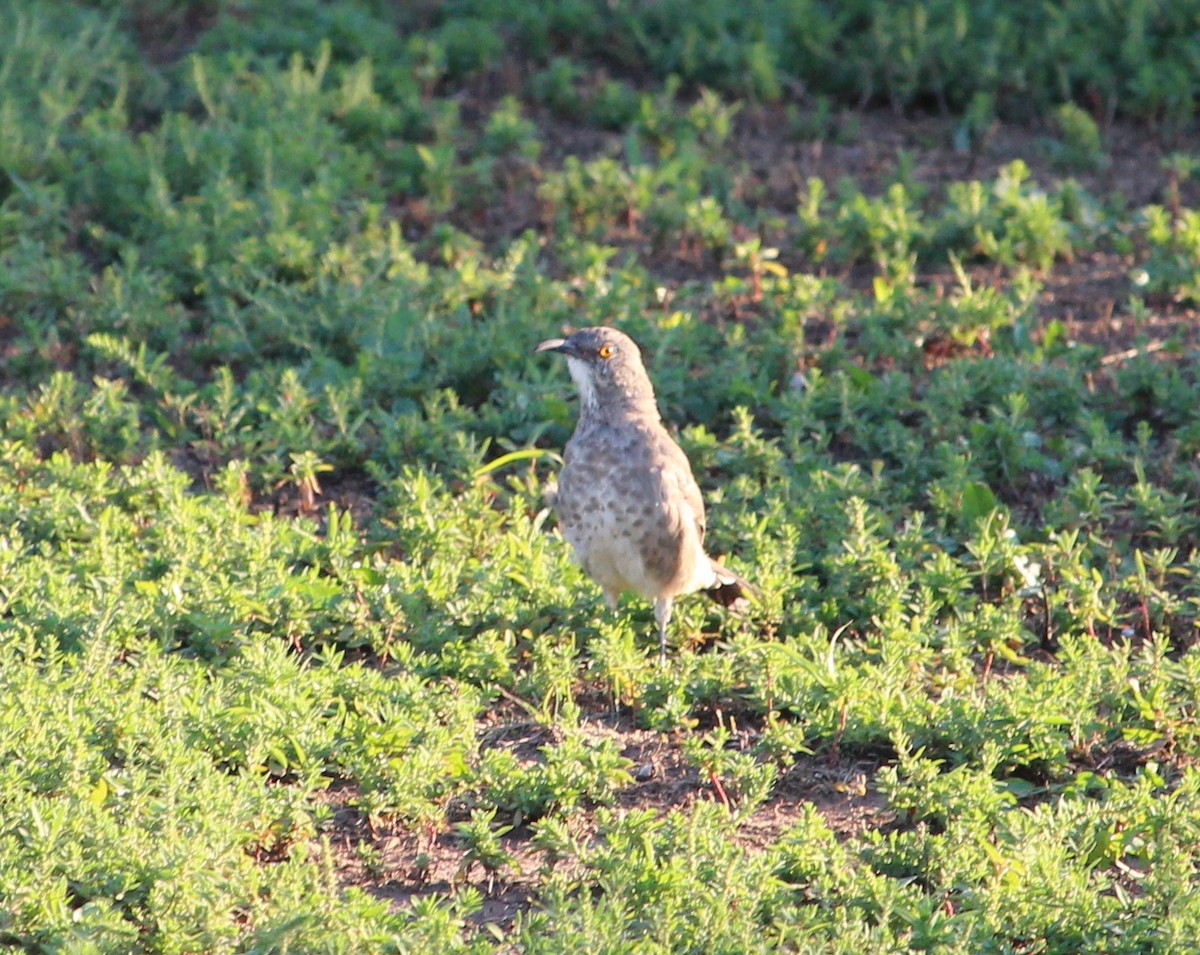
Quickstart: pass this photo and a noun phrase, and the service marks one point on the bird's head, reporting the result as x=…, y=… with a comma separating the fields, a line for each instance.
x=606, y=366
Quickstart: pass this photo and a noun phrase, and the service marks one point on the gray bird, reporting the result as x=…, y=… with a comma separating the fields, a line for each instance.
x=627, y=500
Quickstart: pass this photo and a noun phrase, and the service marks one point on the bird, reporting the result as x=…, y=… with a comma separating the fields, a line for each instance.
x=627, y=500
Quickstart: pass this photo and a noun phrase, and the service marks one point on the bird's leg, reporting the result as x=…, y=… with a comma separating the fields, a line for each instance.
x=662, y=613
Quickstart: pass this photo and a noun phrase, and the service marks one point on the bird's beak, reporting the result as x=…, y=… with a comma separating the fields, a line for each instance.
x=551, y=344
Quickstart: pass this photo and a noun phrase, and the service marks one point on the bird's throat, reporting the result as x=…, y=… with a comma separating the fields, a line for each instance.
x=582, y=376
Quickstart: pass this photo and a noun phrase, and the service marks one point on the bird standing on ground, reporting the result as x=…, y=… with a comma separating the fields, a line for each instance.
x=627, y=500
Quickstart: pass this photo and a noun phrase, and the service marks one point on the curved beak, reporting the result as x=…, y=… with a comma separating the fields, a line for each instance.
x=551, y=344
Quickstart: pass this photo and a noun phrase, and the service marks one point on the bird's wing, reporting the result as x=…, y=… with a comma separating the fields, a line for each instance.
x=678, y=469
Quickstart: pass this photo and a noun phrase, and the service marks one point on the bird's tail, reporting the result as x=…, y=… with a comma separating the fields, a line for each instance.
x=730, y=590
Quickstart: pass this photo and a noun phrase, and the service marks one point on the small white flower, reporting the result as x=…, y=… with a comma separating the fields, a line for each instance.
x=1030, y=572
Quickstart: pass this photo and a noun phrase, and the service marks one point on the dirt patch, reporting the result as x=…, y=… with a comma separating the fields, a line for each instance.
x=401, y=864
x=355, y=494
x=168, y=32
x=871, y=148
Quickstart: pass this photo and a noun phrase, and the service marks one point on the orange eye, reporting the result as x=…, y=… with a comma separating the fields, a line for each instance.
x=605, y=351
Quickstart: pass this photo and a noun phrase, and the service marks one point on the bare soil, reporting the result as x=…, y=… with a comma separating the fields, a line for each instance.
x=405, y=865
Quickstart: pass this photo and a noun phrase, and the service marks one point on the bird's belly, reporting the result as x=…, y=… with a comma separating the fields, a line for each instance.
x=610, y=555
x=621, y=555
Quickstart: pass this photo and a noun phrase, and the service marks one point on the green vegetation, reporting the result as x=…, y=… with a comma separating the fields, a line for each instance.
x=290, y=658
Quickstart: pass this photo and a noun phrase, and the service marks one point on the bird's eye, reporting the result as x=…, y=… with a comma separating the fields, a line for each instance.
x=605, y=351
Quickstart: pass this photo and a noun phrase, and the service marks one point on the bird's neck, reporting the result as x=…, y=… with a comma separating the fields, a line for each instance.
x=619, y=405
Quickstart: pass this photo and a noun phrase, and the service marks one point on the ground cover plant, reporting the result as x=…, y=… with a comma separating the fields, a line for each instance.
x=291, y=657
